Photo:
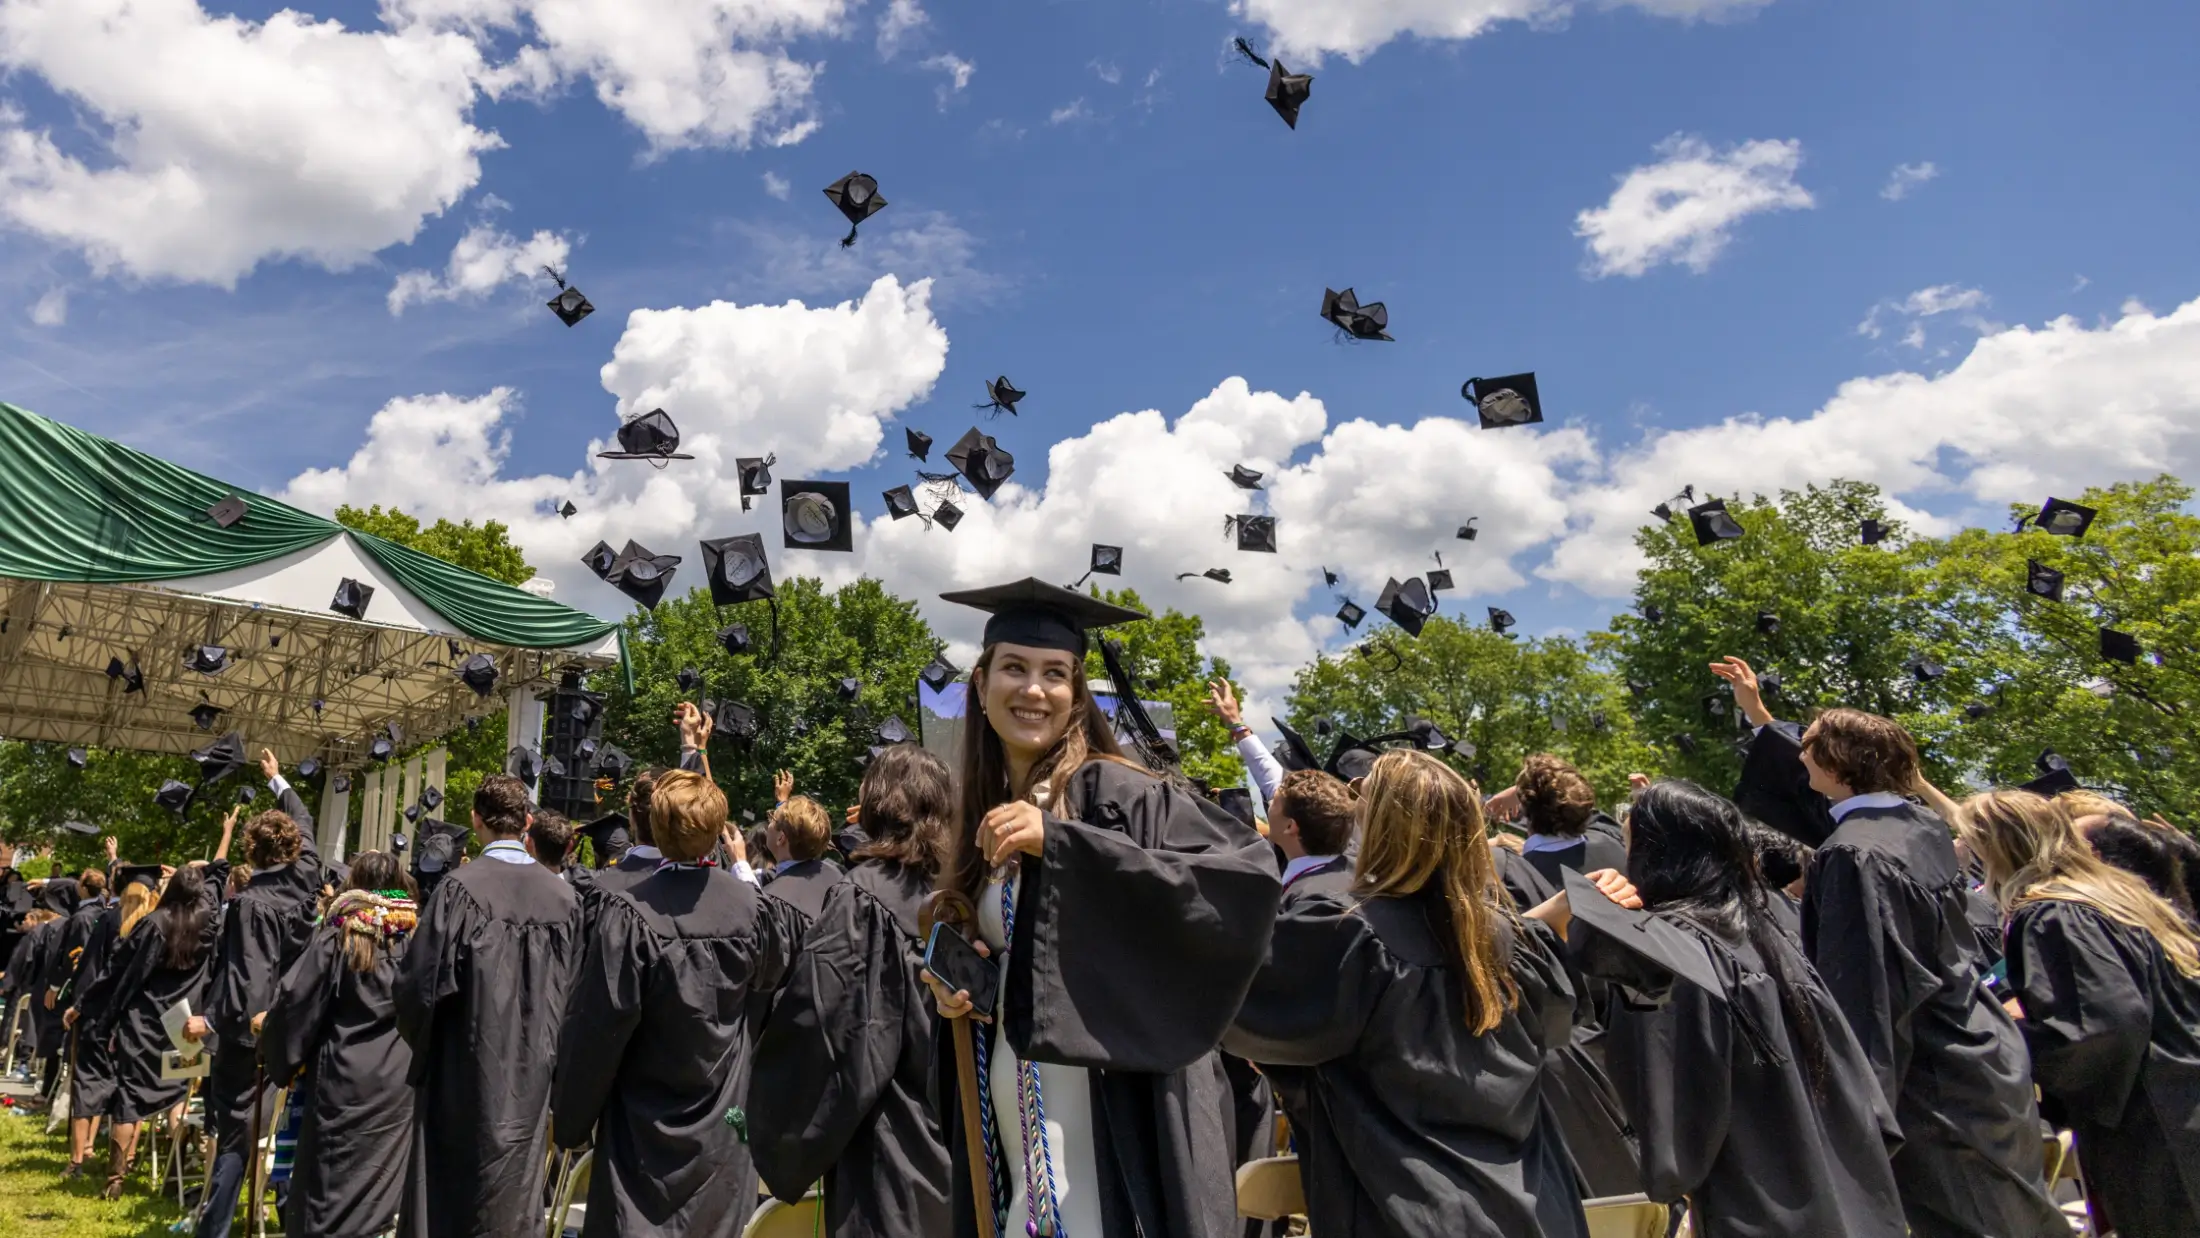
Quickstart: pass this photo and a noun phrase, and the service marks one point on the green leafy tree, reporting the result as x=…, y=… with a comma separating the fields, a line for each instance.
x=1162, y=654
x=40, y=792
x=858, y=632
x=1508, y=697
x=485, y=548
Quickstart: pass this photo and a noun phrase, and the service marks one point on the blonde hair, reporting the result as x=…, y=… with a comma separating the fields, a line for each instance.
x=2033, y=853
x=1420, y=822
x=806, y=826
x=687, y=812
x=138, y=901
x=2083, y=803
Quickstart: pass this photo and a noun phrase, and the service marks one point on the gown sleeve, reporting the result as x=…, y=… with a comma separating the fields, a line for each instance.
x=119, y=982
x=1668, y=1064
x=1775, y=788
x=1138, y=929
x=602, y=1013
x=253, y=935
x=297, y=1021
x=2087, y=1019
x=832, y=1042
x=434, y=959
x=1311, y=1000
x=1859, y=950
x=1549, y=1001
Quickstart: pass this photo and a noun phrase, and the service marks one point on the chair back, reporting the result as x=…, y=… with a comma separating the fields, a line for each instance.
x=1271, y=1189
x=776, y=1219
x=1626, y=1216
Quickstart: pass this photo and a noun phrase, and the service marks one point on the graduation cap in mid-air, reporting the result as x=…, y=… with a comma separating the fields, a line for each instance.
x=1288, y=91
x=642, y=574
x=1220, y=575
x=566, y=509
x=1501, y=620
x=78, y=758
x=920, y=443
x=1350, y=614
x=2041, y=580
x=689, y=679
x=133, y=679
x=413, y=812
x=1001, y=395
x=220, y=759
x=738, y=571
x=1685, y=742
x=1500, y=402
x=1244, y=478
x=737, y=721
x=856, y=195
x=613, y=762
x=901, y=502
x=2054, y=775
x=1924, y=669
x=227, y=512
x=479, y=671
x=2119, y=646
x=439, y=845
x=1872, y=532
x=938, y=673
x=1107, y=560
x=947, y=515
x=207, y=659
x=1407, y=603
x=893, y=731
x=815, y=515
x=982, y=461
x=351, y=598
x=385, y=745
x=174, y=796
x=599, y=559
x=1257, y=533
x=651, y=437
x=85, y=828
x=756, y=476
x=734, y=638
x=204, y=713
x=570, y=305
x=1712, y=523
x=1467, y=531
x=308, y=767
x=1039, y=615
x=1295, y=754
x=1361, y=322
x=523, y=764
x=1768, y=623
x=1439, y=579
x=1976, y=710
x=2065, y=519
x=849, y=688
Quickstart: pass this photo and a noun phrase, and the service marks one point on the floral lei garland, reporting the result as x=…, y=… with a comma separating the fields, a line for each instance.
x=388, y=916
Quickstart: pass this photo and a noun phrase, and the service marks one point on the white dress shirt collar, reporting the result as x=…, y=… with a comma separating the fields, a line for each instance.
x=1869, y=799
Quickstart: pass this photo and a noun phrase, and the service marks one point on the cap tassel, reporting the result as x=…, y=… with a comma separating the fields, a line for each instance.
x=849, y=241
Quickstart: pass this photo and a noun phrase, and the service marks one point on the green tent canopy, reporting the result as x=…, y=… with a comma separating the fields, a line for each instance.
x=109, y=556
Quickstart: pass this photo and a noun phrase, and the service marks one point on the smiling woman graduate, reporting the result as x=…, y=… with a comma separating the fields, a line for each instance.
x=1127, y=916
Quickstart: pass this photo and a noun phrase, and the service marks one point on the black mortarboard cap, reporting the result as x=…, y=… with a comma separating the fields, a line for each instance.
x=2043, y=581
x=553, y=767
x=85, y=828
x=1500, y=402
x=938, y=673
x=1001, y=395
x=1712, y=523
x=1034, y=613
x=480, y=673
x=1924, y=669
x=174, y=796
x=982, y=461
x=413, y=812
x=1467, y=531
x=1361, y=322
x=382, y=748
x=1775, y=786
x=1288, y=91
x=947, y=515
x=642, y=574
x=1107, y=560
x=1329, y=578
x=815, y=516
x=737, y=721
x=78, y=758
x=1653, y=613
x=1872, y=532
x=755, y=476
x=651, y=436
x=920, y=443
x=1685, y=742
x=2055, y=776
x=308, y=767
x=1295, y=754
x=613, y=761
x=893, y=731
x=570, y=305
x=1501, y=620
x=2119, y=646
x=734, y=638
x=689, y=679
x=1768, y=683
x=204, y=713
x=1439, y=579
x=586, y=747
x=901, y=502
x=1427, y=734
x=1256, y=533
x=1350, y=614
x=147, y=875
x=431, y=797
x=857, y=198
x=1407, y=603
x=208, y=659
x=738, y=570
x=1768, y=623
x=2065, y=519
x=1351, y=758
x=521, y=763
x=566, y=509
x=850, y=688
x=611, y=836
x=1976, y=710
x=1221, y=574
x=220, y=759
x=1716, y=705
x=227, y=512
x=353, y=599
x=1650, y=937
x=599, y=559
x=1245, y=478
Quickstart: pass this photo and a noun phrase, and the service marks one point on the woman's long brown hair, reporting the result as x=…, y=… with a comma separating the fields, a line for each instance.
x=1421, y=823
x=985, y=779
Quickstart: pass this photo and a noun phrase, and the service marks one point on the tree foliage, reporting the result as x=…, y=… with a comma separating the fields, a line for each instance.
x=1162, y=654
x=40, y=791
x=1508, y=697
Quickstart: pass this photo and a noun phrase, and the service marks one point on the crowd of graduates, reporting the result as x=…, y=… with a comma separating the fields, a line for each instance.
x=1836, y=1002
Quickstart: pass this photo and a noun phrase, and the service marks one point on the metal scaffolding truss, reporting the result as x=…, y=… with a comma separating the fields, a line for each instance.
x=302, y=683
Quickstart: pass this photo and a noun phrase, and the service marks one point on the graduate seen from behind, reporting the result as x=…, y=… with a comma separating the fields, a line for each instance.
x=842, y=1093
x=2108, y=977
x=660, y=1025
x=479, y=998
x=1419, y=1008
x=1124, y=916
x=332, y=1035
x=1749, y=1095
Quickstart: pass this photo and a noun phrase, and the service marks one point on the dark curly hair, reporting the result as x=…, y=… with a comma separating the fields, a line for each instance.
x=271, y=840
x=1554, y=796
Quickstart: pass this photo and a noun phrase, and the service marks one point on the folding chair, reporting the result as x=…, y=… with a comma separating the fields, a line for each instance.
x=58, y=1116
x=194, y=1120
x=1270, y=1189
x=17, y=1013
x=775, y=1219
x=571, y=1182
x=1626, y=1216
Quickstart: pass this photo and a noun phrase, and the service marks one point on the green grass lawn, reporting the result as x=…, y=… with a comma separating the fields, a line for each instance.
x=36, y=1203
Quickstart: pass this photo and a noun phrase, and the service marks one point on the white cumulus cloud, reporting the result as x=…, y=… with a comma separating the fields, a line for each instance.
x=1907, y=177
x=777, y=186
x=958, y=73
x=897, y=23
x=484, y=260
x=1683, y=208
x=1308, y=29
x=51, y=309
x=1924, y=303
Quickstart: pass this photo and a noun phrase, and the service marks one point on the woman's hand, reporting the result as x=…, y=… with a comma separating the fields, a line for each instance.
x=1747, y=696
x=68, y=1017
x=1638, y=782
x=1505, y=805
x=783, y=786
x=1612, y=885
x=1012, y=828
x=259, y=1021
x=956, y=1005
x=196, y=1028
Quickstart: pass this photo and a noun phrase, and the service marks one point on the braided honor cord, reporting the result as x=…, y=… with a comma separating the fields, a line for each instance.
x=1042, y=1216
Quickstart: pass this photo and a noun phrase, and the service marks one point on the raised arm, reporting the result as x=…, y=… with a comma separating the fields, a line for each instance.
x=287, y=798
x=1267, y=772
x=695, y=728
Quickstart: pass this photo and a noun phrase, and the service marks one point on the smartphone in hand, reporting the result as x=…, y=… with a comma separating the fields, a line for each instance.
x=961, y=967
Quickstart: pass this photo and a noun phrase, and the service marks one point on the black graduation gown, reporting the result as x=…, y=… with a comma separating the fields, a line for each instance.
x=132, y=991
x=1137, y=933
x=662, y=1018
x=91, y=1066
x=842, y=1087
x=339, y=1026
x=1419, y=1128
x=42, y=943
x=1731, y=1118
x=804, y=884
x=1598, y=1135
x=264, y=928
x=1885, y=923
x=480, y=999
x=2114, y=1030
x=1290, y=1083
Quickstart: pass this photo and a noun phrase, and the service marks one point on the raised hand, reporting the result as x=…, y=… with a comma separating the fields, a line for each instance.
x=1747, y=695
x=1224, y=702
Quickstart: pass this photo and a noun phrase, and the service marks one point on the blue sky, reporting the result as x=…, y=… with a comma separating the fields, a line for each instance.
x=1113, y=217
